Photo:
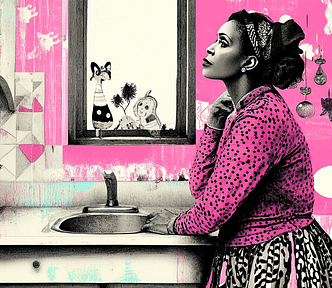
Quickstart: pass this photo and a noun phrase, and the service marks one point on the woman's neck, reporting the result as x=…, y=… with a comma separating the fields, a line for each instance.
x=237, y=89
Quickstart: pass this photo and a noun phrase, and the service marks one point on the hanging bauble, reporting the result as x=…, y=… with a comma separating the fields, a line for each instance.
x=305, y=109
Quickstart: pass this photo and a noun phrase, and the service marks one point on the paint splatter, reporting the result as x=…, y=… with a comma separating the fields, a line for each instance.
x=85, y=275
x=328, y=15
x=129, y=275
x=26, y=13
x=46, y=42
x=51, y=271
x=284, y=18
x=308, y=51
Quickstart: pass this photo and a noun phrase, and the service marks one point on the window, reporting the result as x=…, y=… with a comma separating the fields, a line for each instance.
x=177, y=117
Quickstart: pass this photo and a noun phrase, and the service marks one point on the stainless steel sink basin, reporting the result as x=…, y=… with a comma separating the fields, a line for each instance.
x=100, y=223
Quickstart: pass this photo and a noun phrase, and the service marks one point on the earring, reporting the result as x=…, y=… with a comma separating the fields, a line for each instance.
x=243, y=69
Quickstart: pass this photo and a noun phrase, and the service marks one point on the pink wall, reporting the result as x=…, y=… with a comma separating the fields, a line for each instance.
x=41, y=46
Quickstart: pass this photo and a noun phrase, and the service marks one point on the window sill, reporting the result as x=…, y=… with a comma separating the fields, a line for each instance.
x=131, y=141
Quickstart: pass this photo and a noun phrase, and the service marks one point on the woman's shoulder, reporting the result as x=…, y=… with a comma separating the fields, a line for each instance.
x=268, y=99
x=266, y=107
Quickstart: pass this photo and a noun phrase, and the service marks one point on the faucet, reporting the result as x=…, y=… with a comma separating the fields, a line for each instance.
x=111, y=186
x=112, y=204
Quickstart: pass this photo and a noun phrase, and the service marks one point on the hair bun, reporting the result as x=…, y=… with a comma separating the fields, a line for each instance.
x=288, y=64
x=286, y=38
x=288, y=72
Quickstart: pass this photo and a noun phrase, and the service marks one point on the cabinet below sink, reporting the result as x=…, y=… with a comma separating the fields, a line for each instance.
x=91, y=264
x=33, y=255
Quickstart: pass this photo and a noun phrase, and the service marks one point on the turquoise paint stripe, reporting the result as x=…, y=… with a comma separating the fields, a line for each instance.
x=55, y=194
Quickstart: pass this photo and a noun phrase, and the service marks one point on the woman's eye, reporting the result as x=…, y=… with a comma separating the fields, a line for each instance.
x=223, y=43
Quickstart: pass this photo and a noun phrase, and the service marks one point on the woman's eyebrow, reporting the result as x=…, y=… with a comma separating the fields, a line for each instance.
x=225, y=35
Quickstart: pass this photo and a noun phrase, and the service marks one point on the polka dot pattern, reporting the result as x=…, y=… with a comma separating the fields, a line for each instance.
x=253, y=180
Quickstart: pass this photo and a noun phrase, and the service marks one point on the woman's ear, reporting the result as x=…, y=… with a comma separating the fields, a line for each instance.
x=251, y=63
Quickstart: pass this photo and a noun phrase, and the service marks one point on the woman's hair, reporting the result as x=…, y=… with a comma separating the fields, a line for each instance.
x=275, y=45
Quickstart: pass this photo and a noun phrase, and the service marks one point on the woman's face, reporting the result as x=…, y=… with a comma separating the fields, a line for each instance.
x=225, y=59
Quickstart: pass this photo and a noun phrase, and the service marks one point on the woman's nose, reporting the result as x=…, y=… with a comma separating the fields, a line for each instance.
x=210, y=50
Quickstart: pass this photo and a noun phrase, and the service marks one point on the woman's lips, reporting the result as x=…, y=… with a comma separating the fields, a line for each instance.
x=206, y=62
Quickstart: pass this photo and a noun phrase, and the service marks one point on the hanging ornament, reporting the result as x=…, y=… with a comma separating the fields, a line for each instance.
x=305, y=109
x=327, y=106
x=320, y=77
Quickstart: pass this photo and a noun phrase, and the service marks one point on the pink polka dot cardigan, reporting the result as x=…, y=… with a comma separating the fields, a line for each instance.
x=253, y=180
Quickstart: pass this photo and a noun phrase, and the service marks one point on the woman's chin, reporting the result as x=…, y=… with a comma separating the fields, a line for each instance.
x=208, y=75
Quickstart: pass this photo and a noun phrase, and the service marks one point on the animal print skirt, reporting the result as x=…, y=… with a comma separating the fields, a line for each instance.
x=300, y=259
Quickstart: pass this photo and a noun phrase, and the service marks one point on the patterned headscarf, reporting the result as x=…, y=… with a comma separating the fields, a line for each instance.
x=261, y=38
x=269, y=38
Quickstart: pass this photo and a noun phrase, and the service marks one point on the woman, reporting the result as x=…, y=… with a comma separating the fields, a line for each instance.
x=252, y=175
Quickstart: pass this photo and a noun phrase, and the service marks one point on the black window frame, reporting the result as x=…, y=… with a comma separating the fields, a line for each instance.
x=185, y=126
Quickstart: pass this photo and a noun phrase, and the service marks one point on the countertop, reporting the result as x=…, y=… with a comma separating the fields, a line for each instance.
x=31, y=226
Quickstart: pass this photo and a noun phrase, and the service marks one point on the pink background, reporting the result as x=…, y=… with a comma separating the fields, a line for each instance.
x=32, y=56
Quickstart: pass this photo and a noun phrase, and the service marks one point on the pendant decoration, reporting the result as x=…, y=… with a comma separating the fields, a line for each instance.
x=320, y=77
x=327, y=106
x=305, y=109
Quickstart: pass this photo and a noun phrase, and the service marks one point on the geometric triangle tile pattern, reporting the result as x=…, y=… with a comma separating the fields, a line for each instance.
x=5, y=175
x=6, y=138
x=17, y=101
x=10, y=125
x=9, y=161
x=22, y=131
x=32, y=151
x=37, y=129
x=22, y=162
x=36, y=107
x=20, y=90
x=22, y=150
x=24, y=121
x=36, y=84
x=26, y=137
x=22, y=135
x=4, y=116
x=5, y=149
x=39, y=95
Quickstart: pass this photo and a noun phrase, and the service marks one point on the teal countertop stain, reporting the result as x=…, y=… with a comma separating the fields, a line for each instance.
x=51, y=271
x=129, y=276
x=86, y=275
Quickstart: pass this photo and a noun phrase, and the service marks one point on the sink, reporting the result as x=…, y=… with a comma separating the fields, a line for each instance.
x=100, y=223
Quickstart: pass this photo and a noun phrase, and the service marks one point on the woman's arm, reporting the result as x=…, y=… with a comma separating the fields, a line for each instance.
x=204, y=161
x=250, y=152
